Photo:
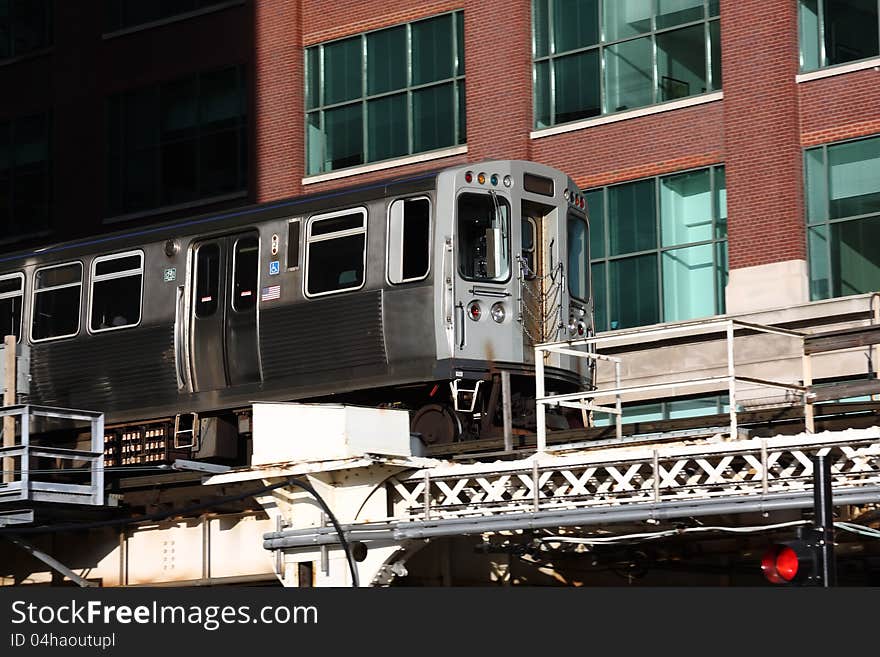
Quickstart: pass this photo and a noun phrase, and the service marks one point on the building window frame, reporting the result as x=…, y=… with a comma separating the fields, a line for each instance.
x=122, y=147
x=812, y=42
x=712, y=61
x=601, y=259
x=820, y=226
x=316, y=107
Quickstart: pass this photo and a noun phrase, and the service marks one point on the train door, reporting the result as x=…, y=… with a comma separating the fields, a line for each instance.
x=531, y=274
x=223, y=324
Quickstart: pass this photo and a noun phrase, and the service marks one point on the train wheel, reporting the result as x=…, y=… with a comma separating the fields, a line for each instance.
x=437, y=424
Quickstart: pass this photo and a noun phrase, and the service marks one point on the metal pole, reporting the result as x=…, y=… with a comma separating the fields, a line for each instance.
x=809, y=421
x=823, y=518
x=9, y=400
x=507, y=411
x=731, y=383
x=540, y=410
x=618, y=418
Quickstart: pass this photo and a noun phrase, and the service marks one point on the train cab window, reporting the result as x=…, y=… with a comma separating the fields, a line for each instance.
x=409, y=235
x=578, y=258
x=336, y=252
x=117, y=284
x=207, y=279
x=11, y=295
x=483, y=237
x=245, y=268
x=56, y=302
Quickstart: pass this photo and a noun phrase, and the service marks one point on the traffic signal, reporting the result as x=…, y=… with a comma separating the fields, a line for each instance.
x=794, y=562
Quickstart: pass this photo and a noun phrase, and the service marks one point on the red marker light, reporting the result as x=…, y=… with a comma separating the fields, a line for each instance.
x=780, y=564
x=469, y=176
x=474, y=311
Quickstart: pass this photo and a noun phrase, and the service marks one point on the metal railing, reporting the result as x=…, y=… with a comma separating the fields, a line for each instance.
x=27, y=483
x=586, y=400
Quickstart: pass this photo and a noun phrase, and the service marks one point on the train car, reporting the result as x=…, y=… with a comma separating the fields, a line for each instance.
x=416, y=293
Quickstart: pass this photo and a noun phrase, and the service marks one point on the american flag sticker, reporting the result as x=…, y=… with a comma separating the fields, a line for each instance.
x=270, y=293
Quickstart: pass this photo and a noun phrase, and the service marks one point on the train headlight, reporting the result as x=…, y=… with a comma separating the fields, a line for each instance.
x=572, y=326
x=474, y=311
x=508, y=181
x=497, y=312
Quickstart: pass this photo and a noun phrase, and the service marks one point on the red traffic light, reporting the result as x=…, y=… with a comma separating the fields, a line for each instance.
x=789, y=563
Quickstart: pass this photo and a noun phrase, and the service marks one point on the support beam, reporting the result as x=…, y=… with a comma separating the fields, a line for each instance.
x=50, y=561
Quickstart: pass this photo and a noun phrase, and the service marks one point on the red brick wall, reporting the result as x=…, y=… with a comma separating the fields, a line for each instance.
x=761, y=132
x=637, y=148
x=332, y=19
x=278, y=100
x=498, y=77
x=840, y=107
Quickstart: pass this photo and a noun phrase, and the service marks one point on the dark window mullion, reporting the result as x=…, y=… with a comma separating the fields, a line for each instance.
x=365, y=132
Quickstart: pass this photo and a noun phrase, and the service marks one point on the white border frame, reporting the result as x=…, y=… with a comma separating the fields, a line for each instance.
x=233, y=256
x=12, y=295
x=95, y=278
x=404, y=199
x=330, y=236
x=35, y=291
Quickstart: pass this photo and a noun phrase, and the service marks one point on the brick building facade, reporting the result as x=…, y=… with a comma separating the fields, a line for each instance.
x=147, y=111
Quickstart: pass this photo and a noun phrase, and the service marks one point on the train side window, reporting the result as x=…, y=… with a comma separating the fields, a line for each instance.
x=336, y=252
x=117, y=288
x=409, y=240
x=245, y=267
x=56, y=302
x=11, y=295
x=207, y=279
x=483, y=237
x=293, y=227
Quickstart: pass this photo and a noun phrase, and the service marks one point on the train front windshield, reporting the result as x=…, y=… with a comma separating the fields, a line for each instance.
x=578, y=260
x=483, y=237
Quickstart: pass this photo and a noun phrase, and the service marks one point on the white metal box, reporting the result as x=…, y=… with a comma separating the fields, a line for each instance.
x=284, y=433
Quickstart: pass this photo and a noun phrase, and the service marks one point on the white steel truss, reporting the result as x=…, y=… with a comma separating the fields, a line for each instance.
x=617, y=478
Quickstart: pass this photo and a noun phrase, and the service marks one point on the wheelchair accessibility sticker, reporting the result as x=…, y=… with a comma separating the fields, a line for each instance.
x=274, y=267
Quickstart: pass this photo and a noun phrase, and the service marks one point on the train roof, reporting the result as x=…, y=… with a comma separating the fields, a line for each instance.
x=264, y=211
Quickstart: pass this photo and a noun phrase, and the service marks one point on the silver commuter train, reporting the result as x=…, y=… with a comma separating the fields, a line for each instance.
x=415, y=292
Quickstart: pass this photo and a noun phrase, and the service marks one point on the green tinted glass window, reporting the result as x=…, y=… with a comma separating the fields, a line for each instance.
x=659, y=249
x=342, y=71
x=635, y=297
x=837, y=31
x=385, y=94
x=386, y=70
x=843, y=210
x=634, y=227
x=432, y=56
x=604, y=56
